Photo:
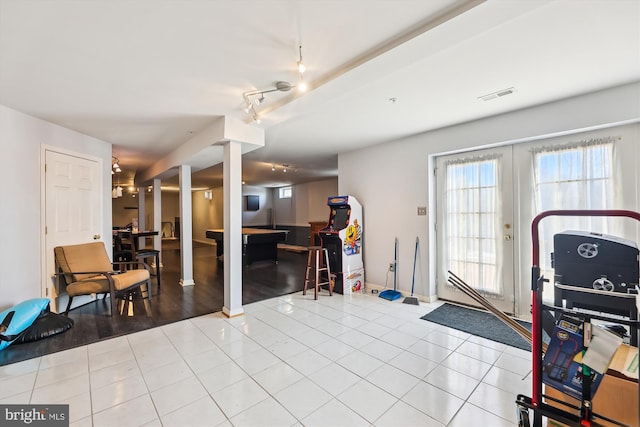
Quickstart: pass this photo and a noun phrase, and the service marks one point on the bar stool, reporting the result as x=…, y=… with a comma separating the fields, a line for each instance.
x=315, y=267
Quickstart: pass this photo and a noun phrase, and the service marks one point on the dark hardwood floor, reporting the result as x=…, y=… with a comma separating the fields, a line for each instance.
x=92, y=323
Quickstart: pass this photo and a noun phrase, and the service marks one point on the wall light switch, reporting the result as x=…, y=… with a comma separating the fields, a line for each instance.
x=422, y=210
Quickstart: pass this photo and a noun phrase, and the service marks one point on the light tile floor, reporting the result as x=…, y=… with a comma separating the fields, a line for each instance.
x=339, y=361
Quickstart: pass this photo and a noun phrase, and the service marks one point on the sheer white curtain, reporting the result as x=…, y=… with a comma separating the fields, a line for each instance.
x=472, y=226
x=578, y=175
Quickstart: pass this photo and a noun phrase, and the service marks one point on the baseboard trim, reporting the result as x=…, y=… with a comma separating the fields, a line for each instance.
x=372, y=288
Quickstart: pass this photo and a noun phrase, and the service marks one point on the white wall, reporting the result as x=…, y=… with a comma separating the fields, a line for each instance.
x=209, y=213
x=170, y=206
x=206, y=214
x=262, y=216
x=308, y=203
x=318, y=193
x=21, y=139
x=396, y=177
x=122, y=214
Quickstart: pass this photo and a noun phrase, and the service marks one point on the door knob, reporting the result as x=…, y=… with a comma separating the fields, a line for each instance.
x=96, y=237
x=507, y=237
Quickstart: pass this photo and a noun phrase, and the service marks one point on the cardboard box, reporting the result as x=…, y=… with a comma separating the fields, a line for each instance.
x=617, y=396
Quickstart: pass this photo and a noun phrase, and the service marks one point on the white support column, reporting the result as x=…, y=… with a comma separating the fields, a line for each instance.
x=186, y=244
x=232, y=173
x=157, y=216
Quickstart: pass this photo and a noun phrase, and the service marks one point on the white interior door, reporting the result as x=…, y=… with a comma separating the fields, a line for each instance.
x=475, y=225
x=73, y=210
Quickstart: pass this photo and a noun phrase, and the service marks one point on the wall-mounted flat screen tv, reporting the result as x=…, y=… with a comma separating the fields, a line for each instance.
x=252, y=203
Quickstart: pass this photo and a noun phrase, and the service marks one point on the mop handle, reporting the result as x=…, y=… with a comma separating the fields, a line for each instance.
x=395, y=263
x=415, y=257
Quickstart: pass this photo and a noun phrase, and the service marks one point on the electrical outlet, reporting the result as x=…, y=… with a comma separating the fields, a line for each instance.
x=422, y=210
x=392, y=267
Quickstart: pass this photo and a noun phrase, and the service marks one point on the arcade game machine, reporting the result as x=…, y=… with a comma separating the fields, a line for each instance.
x=342, y=237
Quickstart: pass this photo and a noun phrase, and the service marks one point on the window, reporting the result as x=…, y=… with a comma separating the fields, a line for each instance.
x=285, y=192
x=574, y=176
x=588, y=171
x=472, y=205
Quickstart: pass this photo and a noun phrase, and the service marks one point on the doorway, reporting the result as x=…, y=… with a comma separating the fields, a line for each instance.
x=73, y=211
x=487, y=240
x=474, y=225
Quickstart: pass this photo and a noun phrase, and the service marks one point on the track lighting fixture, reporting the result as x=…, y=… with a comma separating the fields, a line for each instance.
x=302, y=86
x=285, y=168
x=251, y=103
x=116, y=192
x=254, y=98
x=115, y=166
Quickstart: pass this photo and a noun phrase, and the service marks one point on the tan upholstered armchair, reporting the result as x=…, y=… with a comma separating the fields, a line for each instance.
x=86, y=269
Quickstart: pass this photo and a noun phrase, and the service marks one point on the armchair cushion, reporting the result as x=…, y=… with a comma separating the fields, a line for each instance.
x=87, y=287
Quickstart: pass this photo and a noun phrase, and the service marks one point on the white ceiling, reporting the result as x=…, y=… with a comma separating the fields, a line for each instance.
x=146, y=75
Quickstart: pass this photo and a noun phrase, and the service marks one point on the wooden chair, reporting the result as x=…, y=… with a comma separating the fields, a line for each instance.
x=120, y=252
x=143, y=254
x=127, y=246
x=86, y=269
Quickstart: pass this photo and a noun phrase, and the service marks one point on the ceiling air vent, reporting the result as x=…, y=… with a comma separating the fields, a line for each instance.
x=498, y=94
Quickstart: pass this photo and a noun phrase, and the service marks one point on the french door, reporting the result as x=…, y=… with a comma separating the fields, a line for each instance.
x=475, y=225
x=479, y=238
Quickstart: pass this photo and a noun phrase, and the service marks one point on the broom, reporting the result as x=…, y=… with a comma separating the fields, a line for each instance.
x=413, y=300
x=389, y=294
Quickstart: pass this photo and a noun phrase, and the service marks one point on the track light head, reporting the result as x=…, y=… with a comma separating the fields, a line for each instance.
x=260, y=100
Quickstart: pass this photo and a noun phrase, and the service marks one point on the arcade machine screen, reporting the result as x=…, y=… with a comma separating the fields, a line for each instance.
x=340, y=219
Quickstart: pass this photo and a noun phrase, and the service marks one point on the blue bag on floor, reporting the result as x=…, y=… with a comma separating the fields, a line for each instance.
x=15, y=320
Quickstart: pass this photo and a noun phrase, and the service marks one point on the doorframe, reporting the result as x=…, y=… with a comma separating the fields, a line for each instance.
x=512, y=300
x=46, y=278
x=520, y=228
